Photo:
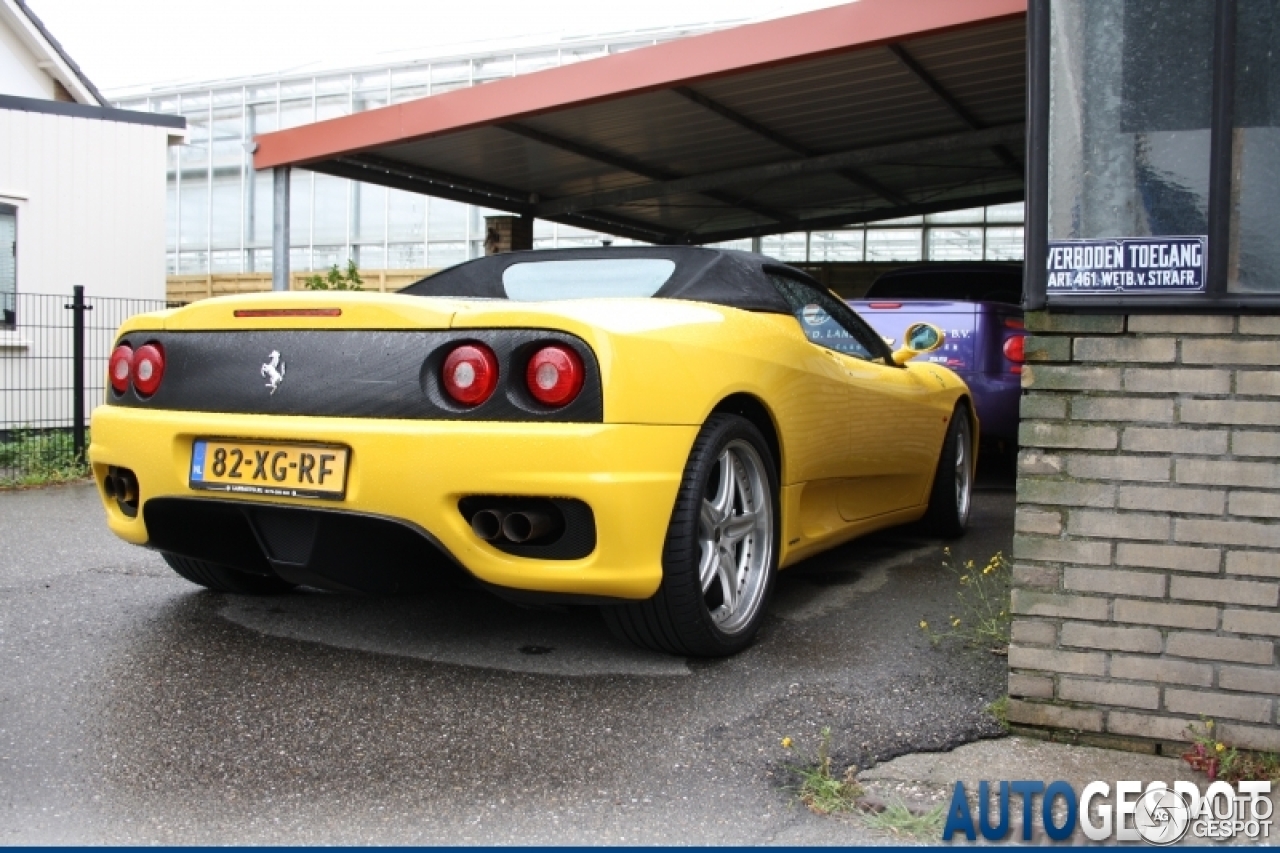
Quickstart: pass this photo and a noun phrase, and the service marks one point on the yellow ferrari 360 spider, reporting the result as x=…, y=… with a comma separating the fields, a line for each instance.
x=653, y=430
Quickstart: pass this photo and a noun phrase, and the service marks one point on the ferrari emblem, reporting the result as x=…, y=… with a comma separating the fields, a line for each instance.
x=273, y=371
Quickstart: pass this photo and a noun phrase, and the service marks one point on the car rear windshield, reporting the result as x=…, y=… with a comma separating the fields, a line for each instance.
x=586, y=278
x=950, y=286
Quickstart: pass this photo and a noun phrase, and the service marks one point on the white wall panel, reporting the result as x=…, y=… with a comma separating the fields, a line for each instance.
x=94, y=207
x=19, y=74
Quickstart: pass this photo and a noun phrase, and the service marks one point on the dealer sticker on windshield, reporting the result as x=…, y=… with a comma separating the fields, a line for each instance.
x=270, y=468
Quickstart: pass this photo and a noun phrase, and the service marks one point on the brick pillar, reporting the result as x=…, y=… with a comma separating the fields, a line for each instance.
x=507, y=234
x=1147, y=544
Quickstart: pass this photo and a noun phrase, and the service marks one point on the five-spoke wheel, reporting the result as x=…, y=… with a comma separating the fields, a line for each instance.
x=721, y=551
x=735, y=534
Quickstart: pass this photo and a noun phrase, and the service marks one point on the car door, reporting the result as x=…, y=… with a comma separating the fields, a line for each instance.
x=892, y=440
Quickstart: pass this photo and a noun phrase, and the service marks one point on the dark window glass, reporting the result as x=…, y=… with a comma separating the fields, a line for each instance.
x=828, y=322
x=1255, y=251
x=996, y=284
x=8, y=264
x=1131, y=90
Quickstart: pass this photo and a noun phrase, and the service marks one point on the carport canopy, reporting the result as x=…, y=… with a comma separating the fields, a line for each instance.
x=867, y=111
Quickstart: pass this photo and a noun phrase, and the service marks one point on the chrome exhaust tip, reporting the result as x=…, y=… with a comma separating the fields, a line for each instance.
x=523, y=526
x=487, y=524
x=127, y=487
x=121, y=486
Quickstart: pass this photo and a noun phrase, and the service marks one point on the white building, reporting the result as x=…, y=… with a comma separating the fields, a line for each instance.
x=82, y=202
x=82, y=185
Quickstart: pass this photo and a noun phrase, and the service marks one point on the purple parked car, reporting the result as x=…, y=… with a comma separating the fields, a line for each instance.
x=978, y=306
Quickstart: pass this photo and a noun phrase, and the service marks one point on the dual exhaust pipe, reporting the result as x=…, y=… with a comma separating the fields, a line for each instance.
x=122, y=485
x=495, y=525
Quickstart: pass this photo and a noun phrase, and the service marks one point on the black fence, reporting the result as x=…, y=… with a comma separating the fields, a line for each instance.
x=53, y=372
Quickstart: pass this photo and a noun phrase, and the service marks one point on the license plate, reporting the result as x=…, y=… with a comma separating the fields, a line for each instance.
x=268, y=468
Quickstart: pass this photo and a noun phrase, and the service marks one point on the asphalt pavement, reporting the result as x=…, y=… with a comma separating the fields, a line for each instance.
x=136, y=708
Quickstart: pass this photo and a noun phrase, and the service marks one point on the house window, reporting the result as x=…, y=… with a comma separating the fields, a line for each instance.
x=8, y=265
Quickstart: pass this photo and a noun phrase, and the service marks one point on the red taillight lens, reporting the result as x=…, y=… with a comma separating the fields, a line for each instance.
x=470, y=373
x=148, y=368
x=554, y=375
x=119, y=367
x=1013, y=349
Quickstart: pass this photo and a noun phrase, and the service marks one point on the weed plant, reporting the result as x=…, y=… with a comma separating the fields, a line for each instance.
x=1217, y=760
x=818, y=789
x=981, y=616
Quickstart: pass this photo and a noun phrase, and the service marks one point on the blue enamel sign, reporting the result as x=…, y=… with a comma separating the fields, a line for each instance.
x=1138, y=265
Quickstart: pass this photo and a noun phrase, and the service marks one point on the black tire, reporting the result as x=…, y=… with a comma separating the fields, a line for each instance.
x=686, y=616
x=225, y=579
x=952, y=494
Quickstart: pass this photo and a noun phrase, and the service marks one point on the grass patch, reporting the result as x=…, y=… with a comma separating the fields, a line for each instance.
x=819, y=790
x=1000, y=710
x=902, y=822
x=981, y=617
x=38, y=458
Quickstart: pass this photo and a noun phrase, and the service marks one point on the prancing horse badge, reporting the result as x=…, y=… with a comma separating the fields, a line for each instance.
x=273, y=371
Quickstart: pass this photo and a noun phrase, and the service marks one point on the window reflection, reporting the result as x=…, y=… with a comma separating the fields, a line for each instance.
x=1255, y=252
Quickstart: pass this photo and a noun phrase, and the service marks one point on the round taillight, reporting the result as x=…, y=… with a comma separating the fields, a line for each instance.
x=1013, y=349
x=470, y=373
x=554, y=375
x=148, y=368
x=119, y=366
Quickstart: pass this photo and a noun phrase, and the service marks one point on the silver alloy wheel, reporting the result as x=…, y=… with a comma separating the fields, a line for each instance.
x=964, y=469
x=735, y=533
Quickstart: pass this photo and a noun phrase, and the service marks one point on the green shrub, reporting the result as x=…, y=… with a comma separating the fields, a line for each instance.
x=336, y=279
x=35, y=457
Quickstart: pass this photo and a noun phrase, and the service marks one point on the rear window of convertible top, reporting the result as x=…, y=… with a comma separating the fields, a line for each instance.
x=586, y=278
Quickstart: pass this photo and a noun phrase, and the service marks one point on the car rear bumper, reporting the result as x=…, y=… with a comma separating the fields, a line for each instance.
x=406, y=479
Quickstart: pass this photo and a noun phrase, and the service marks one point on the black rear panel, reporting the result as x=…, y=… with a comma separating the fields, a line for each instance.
x=351, y=373
x=304, y=545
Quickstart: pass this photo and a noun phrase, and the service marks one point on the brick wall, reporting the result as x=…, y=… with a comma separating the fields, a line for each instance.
x=1147, y=546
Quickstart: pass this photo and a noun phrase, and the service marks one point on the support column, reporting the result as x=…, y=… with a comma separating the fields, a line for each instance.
x=507, y=234
x=280, y=229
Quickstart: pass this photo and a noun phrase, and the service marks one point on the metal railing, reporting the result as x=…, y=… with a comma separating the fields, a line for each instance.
x=54, y=351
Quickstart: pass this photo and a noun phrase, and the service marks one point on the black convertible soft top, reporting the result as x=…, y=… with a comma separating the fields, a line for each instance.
x=720, y=276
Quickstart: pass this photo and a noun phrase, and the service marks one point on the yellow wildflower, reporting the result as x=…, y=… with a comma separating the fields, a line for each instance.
x=955, y=623
x=923, y=624
x=1219, y=746
x=786, y=743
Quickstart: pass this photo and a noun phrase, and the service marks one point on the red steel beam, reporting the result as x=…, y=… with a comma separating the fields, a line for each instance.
x=686, y=61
